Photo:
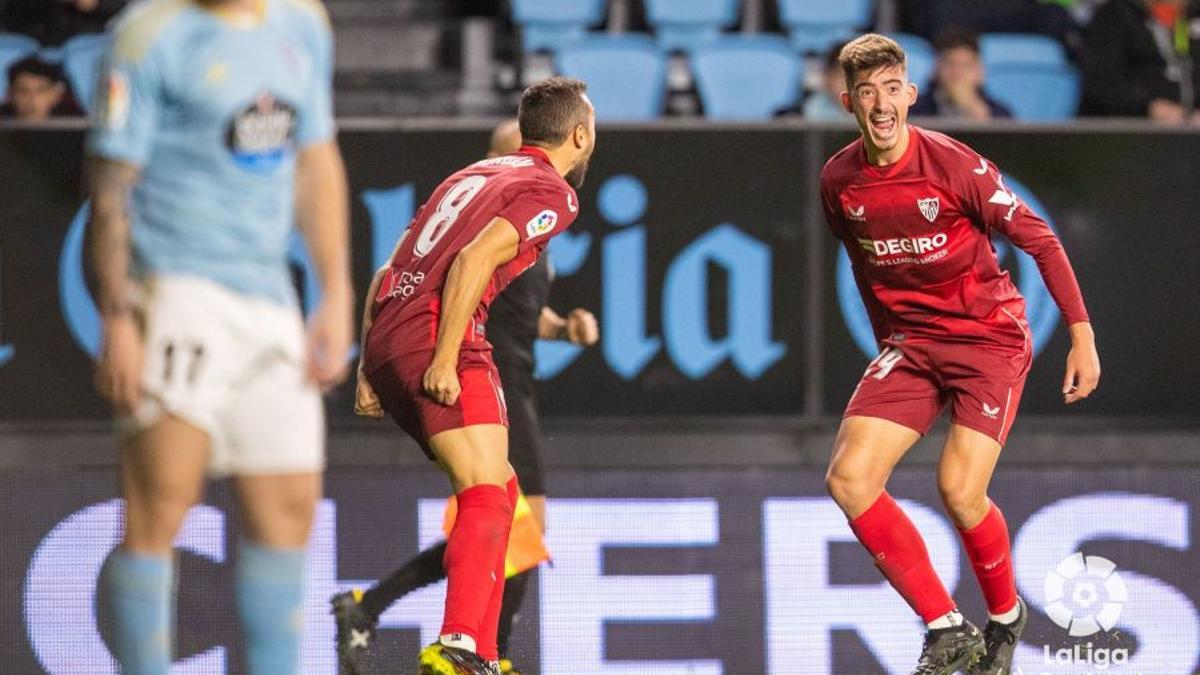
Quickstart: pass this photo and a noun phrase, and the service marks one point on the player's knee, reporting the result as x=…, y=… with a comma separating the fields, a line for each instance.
x=964, y=504
x=852, y=490
x=152, y=523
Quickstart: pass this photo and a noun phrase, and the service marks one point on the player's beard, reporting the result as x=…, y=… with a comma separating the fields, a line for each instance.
x=578, y=173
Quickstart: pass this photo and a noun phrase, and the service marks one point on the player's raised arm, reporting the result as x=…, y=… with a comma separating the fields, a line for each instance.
x=1001, y=209
x=469, y=276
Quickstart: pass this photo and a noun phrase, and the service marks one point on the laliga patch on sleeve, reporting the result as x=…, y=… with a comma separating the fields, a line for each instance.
x=114, y=109
x=541, y=223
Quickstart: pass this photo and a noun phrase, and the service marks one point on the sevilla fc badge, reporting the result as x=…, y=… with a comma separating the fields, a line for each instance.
x=929, y=208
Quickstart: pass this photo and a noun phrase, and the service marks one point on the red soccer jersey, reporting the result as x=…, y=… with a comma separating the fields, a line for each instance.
x=917, y=233
x=523, y=188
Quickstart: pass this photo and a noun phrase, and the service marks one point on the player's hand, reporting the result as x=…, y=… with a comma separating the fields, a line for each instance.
x=582, y=328
x=119, y=371
x=1083, y=365
x=366, y=403
x=441, y=383
x=330, y=333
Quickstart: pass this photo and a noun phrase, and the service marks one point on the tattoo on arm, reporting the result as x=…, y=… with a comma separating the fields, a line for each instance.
x=110, y=185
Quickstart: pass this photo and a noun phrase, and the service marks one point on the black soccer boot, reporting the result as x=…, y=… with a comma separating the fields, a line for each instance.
x=949, y=650
x=355, y=631
x=1001, y=640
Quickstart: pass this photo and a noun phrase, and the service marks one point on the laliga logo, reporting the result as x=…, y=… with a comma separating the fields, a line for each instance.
x=1074, y=599
x=1040, y=308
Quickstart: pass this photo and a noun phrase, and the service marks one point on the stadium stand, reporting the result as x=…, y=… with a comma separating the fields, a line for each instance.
x=685, y=25
x=626, y=75
x=548, y=25
x=746, y=78
x=81, y=58
x=1036, y=93
x=816, y=25
x=13, y=48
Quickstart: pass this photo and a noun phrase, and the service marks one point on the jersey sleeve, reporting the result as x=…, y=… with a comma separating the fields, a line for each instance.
x=540, y=211
x=833, y=218
x=128, y=102
x=992, y=203
x=316, y=110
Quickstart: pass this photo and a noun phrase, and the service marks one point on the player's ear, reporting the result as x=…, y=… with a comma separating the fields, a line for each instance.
x=846, y=102
x=912, y=94
x=580, y=136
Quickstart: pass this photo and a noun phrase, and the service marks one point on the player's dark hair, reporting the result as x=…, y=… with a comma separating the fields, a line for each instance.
x=870, y=53
x=551, y=109
x=34, y=65
x=956, y=37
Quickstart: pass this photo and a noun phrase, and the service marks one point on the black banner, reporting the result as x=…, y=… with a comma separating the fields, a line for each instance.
x=692, y=248
x=711, y=572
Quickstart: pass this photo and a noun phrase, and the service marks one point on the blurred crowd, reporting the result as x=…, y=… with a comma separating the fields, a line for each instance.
x=1135, y=58
x=37, y=88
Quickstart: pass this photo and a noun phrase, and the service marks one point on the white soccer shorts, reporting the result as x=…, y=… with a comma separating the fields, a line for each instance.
x=233, y=366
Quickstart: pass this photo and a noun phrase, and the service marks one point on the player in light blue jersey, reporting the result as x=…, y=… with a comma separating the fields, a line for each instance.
x=213, y=135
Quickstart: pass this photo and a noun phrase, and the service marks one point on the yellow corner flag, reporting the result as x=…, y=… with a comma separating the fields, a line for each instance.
x=526, y=547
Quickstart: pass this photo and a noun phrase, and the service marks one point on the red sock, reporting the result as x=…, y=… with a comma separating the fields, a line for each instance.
x=899, y=552
x=479, y=537
x=491, y=617
x=988, y=548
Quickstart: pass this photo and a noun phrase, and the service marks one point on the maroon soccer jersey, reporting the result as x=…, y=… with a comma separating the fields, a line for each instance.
x=917, y=233
x=523, y=188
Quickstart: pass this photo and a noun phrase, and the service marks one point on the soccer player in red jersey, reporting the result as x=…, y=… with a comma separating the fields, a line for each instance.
x=427, y=360
x=915, y=210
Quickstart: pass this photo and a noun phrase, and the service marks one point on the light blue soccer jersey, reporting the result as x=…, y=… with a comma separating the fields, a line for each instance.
x=213, y=112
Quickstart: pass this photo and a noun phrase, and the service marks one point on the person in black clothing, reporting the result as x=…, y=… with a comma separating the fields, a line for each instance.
x=37, y=91
x=517, y=318
x=1137, y=58
x=52, y=22
x=957, y=89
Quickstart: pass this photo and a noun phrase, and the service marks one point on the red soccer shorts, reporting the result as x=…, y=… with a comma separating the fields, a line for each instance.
x=909, y=383
x=399, y=384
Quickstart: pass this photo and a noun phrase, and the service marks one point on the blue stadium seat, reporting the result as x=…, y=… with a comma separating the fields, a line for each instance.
x=82, y=57
x=547, y=25
x=1036, y=93
x=626, y=75
x=1023, y=48
x=746, y=78
x=922, y=60
x=817, y=25
x=685, y=25
x=13, y=48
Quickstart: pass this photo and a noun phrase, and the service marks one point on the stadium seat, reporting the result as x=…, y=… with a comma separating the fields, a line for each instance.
x=547, y=25
x=626, y=75
x=1036, y=93
x=13, y=48
x=1022, y=48
x=685, y=25
x=816, y=25
x=746, y=78
x=922, y=60
x=82, y=57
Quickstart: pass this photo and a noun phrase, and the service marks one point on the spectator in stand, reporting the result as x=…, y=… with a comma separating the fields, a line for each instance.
x=957, y=89
x=37, y=91
x=52, y=22
x=1136, y=53
x=825, y=104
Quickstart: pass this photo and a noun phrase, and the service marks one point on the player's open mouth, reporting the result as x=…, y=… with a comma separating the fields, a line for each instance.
x=883, y=124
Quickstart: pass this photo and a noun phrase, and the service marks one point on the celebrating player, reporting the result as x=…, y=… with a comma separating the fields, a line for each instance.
x=517, y=317
x=915, y=210
x=214, y=129
x=426, y=354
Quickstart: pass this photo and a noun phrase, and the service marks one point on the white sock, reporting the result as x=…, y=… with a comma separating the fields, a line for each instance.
x=1007, y=617
x=459, y=641
x=948, y=620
